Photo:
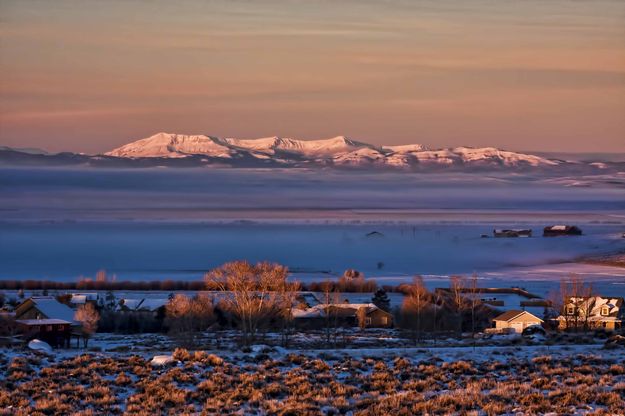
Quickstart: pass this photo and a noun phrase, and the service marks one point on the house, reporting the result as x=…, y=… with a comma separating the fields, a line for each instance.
x=559, y=230
x=343, y=314
x=56, y=332
x=592, y=312
x=514, y=321
x=512, y=233
x=79, y=299
x=44, y=307
x=47, y=319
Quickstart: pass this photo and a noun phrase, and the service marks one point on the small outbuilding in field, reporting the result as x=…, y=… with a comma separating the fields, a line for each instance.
x=512, y=233
x=559, y=230
x=514, y=321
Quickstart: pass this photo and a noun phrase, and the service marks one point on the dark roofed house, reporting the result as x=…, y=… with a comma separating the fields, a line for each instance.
x=55, y=332
x=45, y=318
x=43, y=307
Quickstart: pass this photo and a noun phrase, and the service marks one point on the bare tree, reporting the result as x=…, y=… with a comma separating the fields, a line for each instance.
x=361, y=315
x=286, y=298
x=251, y=292
x=330, y=297
x=413, y=306
x=436, y=305
x=457, y=285
x=473, y=290
x=573, y=301
x=185, y=316
x=202, y=312
x=88, y=316
x=178, y=318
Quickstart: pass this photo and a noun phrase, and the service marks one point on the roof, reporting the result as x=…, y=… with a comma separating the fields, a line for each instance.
x=512, y=315
x=320, y=310
x=145, y=304
x=78, y=299
x=153, y=304
x=43, y=322
x=594, y=304
x=52, y=308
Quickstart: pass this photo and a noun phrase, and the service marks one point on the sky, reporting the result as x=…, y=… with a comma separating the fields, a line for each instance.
x=533, y=75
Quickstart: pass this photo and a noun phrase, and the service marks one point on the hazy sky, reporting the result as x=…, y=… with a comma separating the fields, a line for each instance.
x=523, y=75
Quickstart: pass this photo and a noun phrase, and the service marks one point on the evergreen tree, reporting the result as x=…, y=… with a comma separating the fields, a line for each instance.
x=381, y=300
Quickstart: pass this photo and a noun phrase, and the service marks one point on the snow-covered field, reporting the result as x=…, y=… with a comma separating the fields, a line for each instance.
x=176, y=224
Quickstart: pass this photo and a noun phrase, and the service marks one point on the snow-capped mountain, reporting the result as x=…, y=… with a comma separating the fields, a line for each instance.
x=180, y=150
x=182, y=145
x=338, y=151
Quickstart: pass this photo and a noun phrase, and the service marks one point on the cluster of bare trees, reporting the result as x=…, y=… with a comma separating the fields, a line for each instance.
x=454, y=310
x=255, y=295
x=572, y=304
x=186, y=316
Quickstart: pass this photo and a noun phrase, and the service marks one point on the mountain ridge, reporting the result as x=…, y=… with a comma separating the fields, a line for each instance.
x=340, y=152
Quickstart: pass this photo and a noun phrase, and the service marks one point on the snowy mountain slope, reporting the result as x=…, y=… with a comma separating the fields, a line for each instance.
x=339, y=151
x=173, y=145
x=310, y=148
x=179, y=145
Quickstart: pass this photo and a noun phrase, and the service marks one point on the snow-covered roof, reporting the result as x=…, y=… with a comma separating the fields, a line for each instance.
x=313, y=312
x=78, y=299
x=595, y=304
x=43, y=322
x=82, y=298
x=144, y=304
x=52, y=308
x=319, y=310
x=153, y=304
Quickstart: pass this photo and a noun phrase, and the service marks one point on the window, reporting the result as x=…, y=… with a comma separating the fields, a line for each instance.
x=385, y=320
x=570, y=310
x=49, y=328
x=368, y=321
x=605, y=311
x=61, y=328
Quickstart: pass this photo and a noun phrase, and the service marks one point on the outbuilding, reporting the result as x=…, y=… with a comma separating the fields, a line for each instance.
x=515, y=321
